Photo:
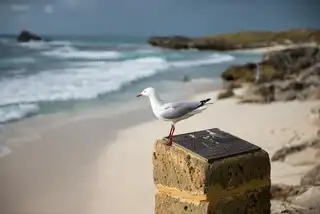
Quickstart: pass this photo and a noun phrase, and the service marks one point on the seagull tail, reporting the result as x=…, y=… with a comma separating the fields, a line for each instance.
x=201, y=107
x=204, y=102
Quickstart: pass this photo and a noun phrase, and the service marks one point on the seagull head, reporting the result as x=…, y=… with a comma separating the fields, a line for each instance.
x=146, y=92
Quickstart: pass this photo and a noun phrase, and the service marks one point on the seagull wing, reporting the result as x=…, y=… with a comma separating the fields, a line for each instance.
x=179, y=109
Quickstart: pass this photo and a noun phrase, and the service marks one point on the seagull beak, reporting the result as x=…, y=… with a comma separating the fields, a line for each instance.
x=139, y=95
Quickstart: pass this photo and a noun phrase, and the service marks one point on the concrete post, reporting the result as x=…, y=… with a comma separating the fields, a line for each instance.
x=211, y=172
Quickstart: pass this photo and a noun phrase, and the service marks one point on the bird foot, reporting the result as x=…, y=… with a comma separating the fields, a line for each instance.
x=169, y=141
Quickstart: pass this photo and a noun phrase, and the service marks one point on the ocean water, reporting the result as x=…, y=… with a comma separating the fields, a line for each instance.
x=80, y=73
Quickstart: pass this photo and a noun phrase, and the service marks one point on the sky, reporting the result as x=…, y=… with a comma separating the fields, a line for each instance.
x=155, y=17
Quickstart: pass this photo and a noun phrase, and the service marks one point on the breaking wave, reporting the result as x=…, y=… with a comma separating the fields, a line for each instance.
x=17, y=111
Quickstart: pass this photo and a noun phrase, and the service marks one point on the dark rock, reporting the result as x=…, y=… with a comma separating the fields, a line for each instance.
x=185, y=78
x=225, y=94
x=285, y=95
x=285, y=192
x=311, y=75
x=263, y=93
x=26, y=36
x=310, y=93
x=174, y=42
x=287, y=90
x=281, y=154
x=266, y=91
x=312, y=177
x=315, y=143
x=247, y=73
x=240, y=73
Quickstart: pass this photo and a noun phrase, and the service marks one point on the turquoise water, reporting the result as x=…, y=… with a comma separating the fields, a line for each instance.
x=48, y=77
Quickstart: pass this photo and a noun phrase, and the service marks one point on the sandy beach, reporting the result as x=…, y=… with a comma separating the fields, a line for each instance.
x=98, y=165
x=276, y=48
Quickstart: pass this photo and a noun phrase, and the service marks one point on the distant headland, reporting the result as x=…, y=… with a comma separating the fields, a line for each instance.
x=238, y=40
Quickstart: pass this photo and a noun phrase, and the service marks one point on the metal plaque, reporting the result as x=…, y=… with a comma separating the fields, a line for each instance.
x=212, y=144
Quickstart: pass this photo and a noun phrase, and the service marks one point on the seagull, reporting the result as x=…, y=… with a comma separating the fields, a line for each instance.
x=172, y=112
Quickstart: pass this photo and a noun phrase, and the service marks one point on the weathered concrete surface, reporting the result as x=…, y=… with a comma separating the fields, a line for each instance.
x=187, y=184
x=176, y=169
x=252, y=202
x=168, y=204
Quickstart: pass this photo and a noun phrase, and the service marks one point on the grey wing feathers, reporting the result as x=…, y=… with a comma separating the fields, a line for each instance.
x=176, y=110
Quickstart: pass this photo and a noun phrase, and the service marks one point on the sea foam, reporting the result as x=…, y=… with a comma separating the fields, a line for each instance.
x=77, y=83
x=212, y=59
x=17, y=111
x=69, y=52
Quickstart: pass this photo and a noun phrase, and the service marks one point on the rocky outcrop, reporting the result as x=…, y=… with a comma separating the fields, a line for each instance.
x=295, y=199
x=286, y=90
x=240, y=73
x=26, y=36
x=291, y=74
x=282, y=153
x=309, y=199
x=312, y=177
x=239, y=40
x=285, y=192
x=225, y=94
x=278, y=65
x=174, y=42
x=281, y=207
x=303, y=198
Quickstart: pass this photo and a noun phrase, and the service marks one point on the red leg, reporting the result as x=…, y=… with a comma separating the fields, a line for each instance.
x=171, y=134
x=173, y=129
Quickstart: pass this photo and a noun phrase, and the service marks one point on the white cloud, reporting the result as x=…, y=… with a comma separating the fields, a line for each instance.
x=49, y=9
x=20, y=7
